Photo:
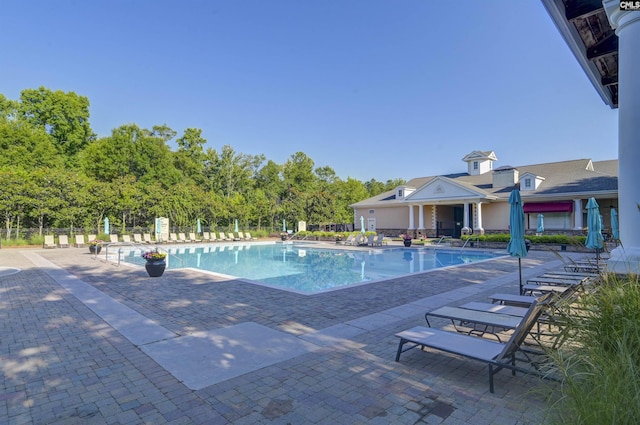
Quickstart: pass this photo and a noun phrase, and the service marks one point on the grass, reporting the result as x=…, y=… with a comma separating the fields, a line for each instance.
x=600, y=363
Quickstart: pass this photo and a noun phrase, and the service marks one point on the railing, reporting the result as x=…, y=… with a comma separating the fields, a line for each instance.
x=442, y=238
x=119, y=245
x=476, y=239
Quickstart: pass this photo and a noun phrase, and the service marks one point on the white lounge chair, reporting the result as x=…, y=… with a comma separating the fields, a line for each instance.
x=223, y=237
x=146, y=237
x=173, y=238
x=137, y=238
x=113, y=238
x=249, y=237
x=206, y=237
x=231, y=237
x=126, y=238
x=192, y=237
x=49, y=241
x=63, y=241
x=79, y=241
x=496, y=355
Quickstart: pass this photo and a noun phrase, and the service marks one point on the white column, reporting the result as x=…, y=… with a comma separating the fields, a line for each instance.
x=577, y=214
x=466, y=215
x=434, y=217
x=411, y=224
x=420, y=217
x=626, y=258
x=478, y=225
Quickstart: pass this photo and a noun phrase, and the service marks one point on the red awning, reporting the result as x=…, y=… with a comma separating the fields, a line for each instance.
x=543, y=207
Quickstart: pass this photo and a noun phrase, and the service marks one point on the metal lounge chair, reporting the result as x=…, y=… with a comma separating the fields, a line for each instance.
x=79, y=241
x=249, y=237
x=63, y=241
x=126, y=238
x=146, y=237
x=496, y=355
x=137, y=238
x=192, y=237
x=113, y=238
x=49, y=241
x=206, y=237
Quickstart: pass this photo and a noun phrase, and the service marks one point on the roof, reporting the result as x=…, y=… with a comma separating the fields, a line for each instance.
x=561, y=180
x=586, y=29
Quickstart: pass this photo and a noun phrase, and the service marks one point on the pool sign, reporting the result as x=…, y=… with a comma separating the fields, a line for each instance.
x=629, y=5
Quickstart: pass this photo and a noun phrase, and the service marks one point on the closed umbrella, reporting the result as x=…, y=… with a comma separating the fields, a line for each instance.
x=236, y=227
x=540, y=228
x=594, y=227
x=517, y=246
x=198, y=227
x=284, y=225
x=615, y=229
x=106, y=225
x=362, y=229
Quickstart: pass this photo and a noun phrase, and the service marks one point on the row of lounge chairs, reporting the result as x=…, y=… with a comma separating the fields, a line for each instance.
x=360, y=240
x=479, y=327
x=145, y=238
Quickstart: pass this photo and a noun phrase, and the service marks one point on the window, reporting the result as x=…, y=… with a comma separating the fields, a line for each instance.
x=475, y=165
x=372, y=211
x=400, y=193
x=527, y=183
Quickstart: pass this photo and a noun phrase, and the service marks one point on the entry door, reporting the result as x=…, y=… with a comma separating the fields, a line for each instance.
x=371, y=224
x=458, y=218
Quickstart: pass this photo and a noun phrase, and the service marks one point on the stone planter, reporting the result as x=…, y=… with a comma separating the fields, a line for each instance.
x=155, y=268
x=95, y=249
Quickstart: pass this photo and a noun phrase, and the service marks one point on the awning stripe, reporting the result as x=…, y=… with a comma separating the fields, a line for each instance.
x=543, y=207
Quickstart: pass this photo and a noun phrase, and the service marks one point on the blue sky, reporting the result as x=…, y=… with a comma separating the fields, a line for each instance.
x=374, y=89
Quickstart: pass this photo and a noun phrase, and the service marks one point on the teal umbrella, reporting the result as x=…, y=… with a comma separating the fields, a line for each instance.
x=198, y=227
x=540, y=228
x=594, y=227
x=362, y=229
x=284, y=225
x=615, y=229
x=517, y=246
x=236, y=227
x=106, y=225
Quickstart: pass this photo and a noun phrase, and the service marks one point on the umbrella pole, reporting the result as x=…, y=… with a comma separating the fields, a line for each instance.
x=520, y=271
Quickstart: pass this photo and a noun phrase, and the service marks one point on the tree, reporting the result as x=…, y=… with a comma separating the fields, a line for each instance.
x=65, y=116
x=190, y=157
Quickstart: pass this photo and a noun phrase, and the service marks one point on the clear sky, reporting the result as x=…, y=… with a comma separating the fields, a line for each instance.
x=372, y=88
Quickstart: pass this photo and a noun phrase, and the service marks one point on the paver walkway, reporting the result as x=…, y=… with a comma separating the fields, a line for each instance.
x=86, y=342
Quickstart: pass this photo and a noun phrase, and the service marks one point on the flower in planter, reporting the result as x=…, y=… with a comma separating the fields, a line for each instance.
x=154, y=255
x=95, y=242
x=406, y=237
x=338, y=238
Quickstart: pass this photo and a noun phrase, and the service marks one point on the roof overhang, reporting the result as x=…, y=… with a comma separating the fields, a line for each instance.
x=585, y=27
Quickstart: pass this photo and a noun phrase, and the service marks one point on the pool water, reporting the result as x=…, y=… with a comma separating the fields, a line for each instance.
x=307, y=269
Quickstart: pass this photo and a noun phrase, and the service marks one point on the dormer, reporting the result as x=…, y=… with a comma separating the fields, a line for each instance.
x=529, y=181
x=403, y=191
x=505, y=176
x=479, y=162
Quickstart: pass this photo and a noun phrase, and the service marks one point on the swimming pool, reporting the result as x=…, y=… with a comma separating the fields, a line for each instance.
x=310, y=269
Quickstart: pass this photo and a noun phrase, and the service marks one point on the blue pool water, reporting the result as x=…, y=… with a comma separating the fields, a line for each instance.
x=306, y=269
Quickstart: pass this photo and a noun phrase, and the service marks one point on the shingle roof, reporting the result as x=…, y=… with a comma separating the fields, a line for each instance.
x=564, y=178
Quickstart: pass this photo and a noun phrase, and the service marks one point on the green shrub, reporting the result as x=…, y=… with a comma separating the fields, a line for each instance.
x=553, y=239
x=600, y=363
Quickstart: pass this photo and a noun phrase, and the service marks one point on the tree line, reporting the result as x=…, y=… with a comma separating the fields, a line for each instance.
x=56, y=173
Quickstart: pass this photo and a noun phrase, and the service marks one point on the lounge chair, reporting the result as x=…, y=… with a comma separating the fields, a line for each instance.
x=49, y=241
x=91, y=238
x=213, y=237
x=359, y=240
x=173, y=238
x=371, y=239
x=146, y=237
x=231, y=237
x=223, y=237
x=79, y=241
x=192, y=237
x=126, y=238
x=137, y=238
x=182, y=238
x=475, y=322
x=496, y=355
x=206, y=237
x=241, y=236
x=349, y=240
x=379, y=240
x=113, y=238
x=63, y=241
x=249, y=237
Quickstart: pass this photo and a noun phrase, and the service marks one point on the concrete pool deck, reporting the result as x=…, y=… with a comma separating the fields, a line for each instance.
x=86, y=342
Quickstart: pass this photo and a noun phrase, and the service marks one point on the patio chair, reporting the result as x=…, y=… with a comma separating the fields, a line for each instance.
x=192, y=237
x=206, y=237
x=349, y=240
x=475, y=322
x=63, y=241
x=79, y=241
x=371, y=239
x=249, y=237
x=49, y=242
x=173, y=238
x=91, y=238
x=379, y=240
x=113, y=238
x=146, y=237
x=213, y=237
x=137, y=238
x=182, y=238
x=496, y=355
x=230, y=237
x=223, y=237
x=126, y=238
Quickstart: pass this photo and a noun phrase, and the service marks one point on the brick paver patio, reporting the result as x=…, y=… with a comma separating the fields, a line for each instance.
x=64, y=364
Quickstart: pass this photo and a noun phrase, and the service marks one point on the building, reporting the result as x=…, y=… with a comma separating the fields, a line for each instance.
x=477, y=200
